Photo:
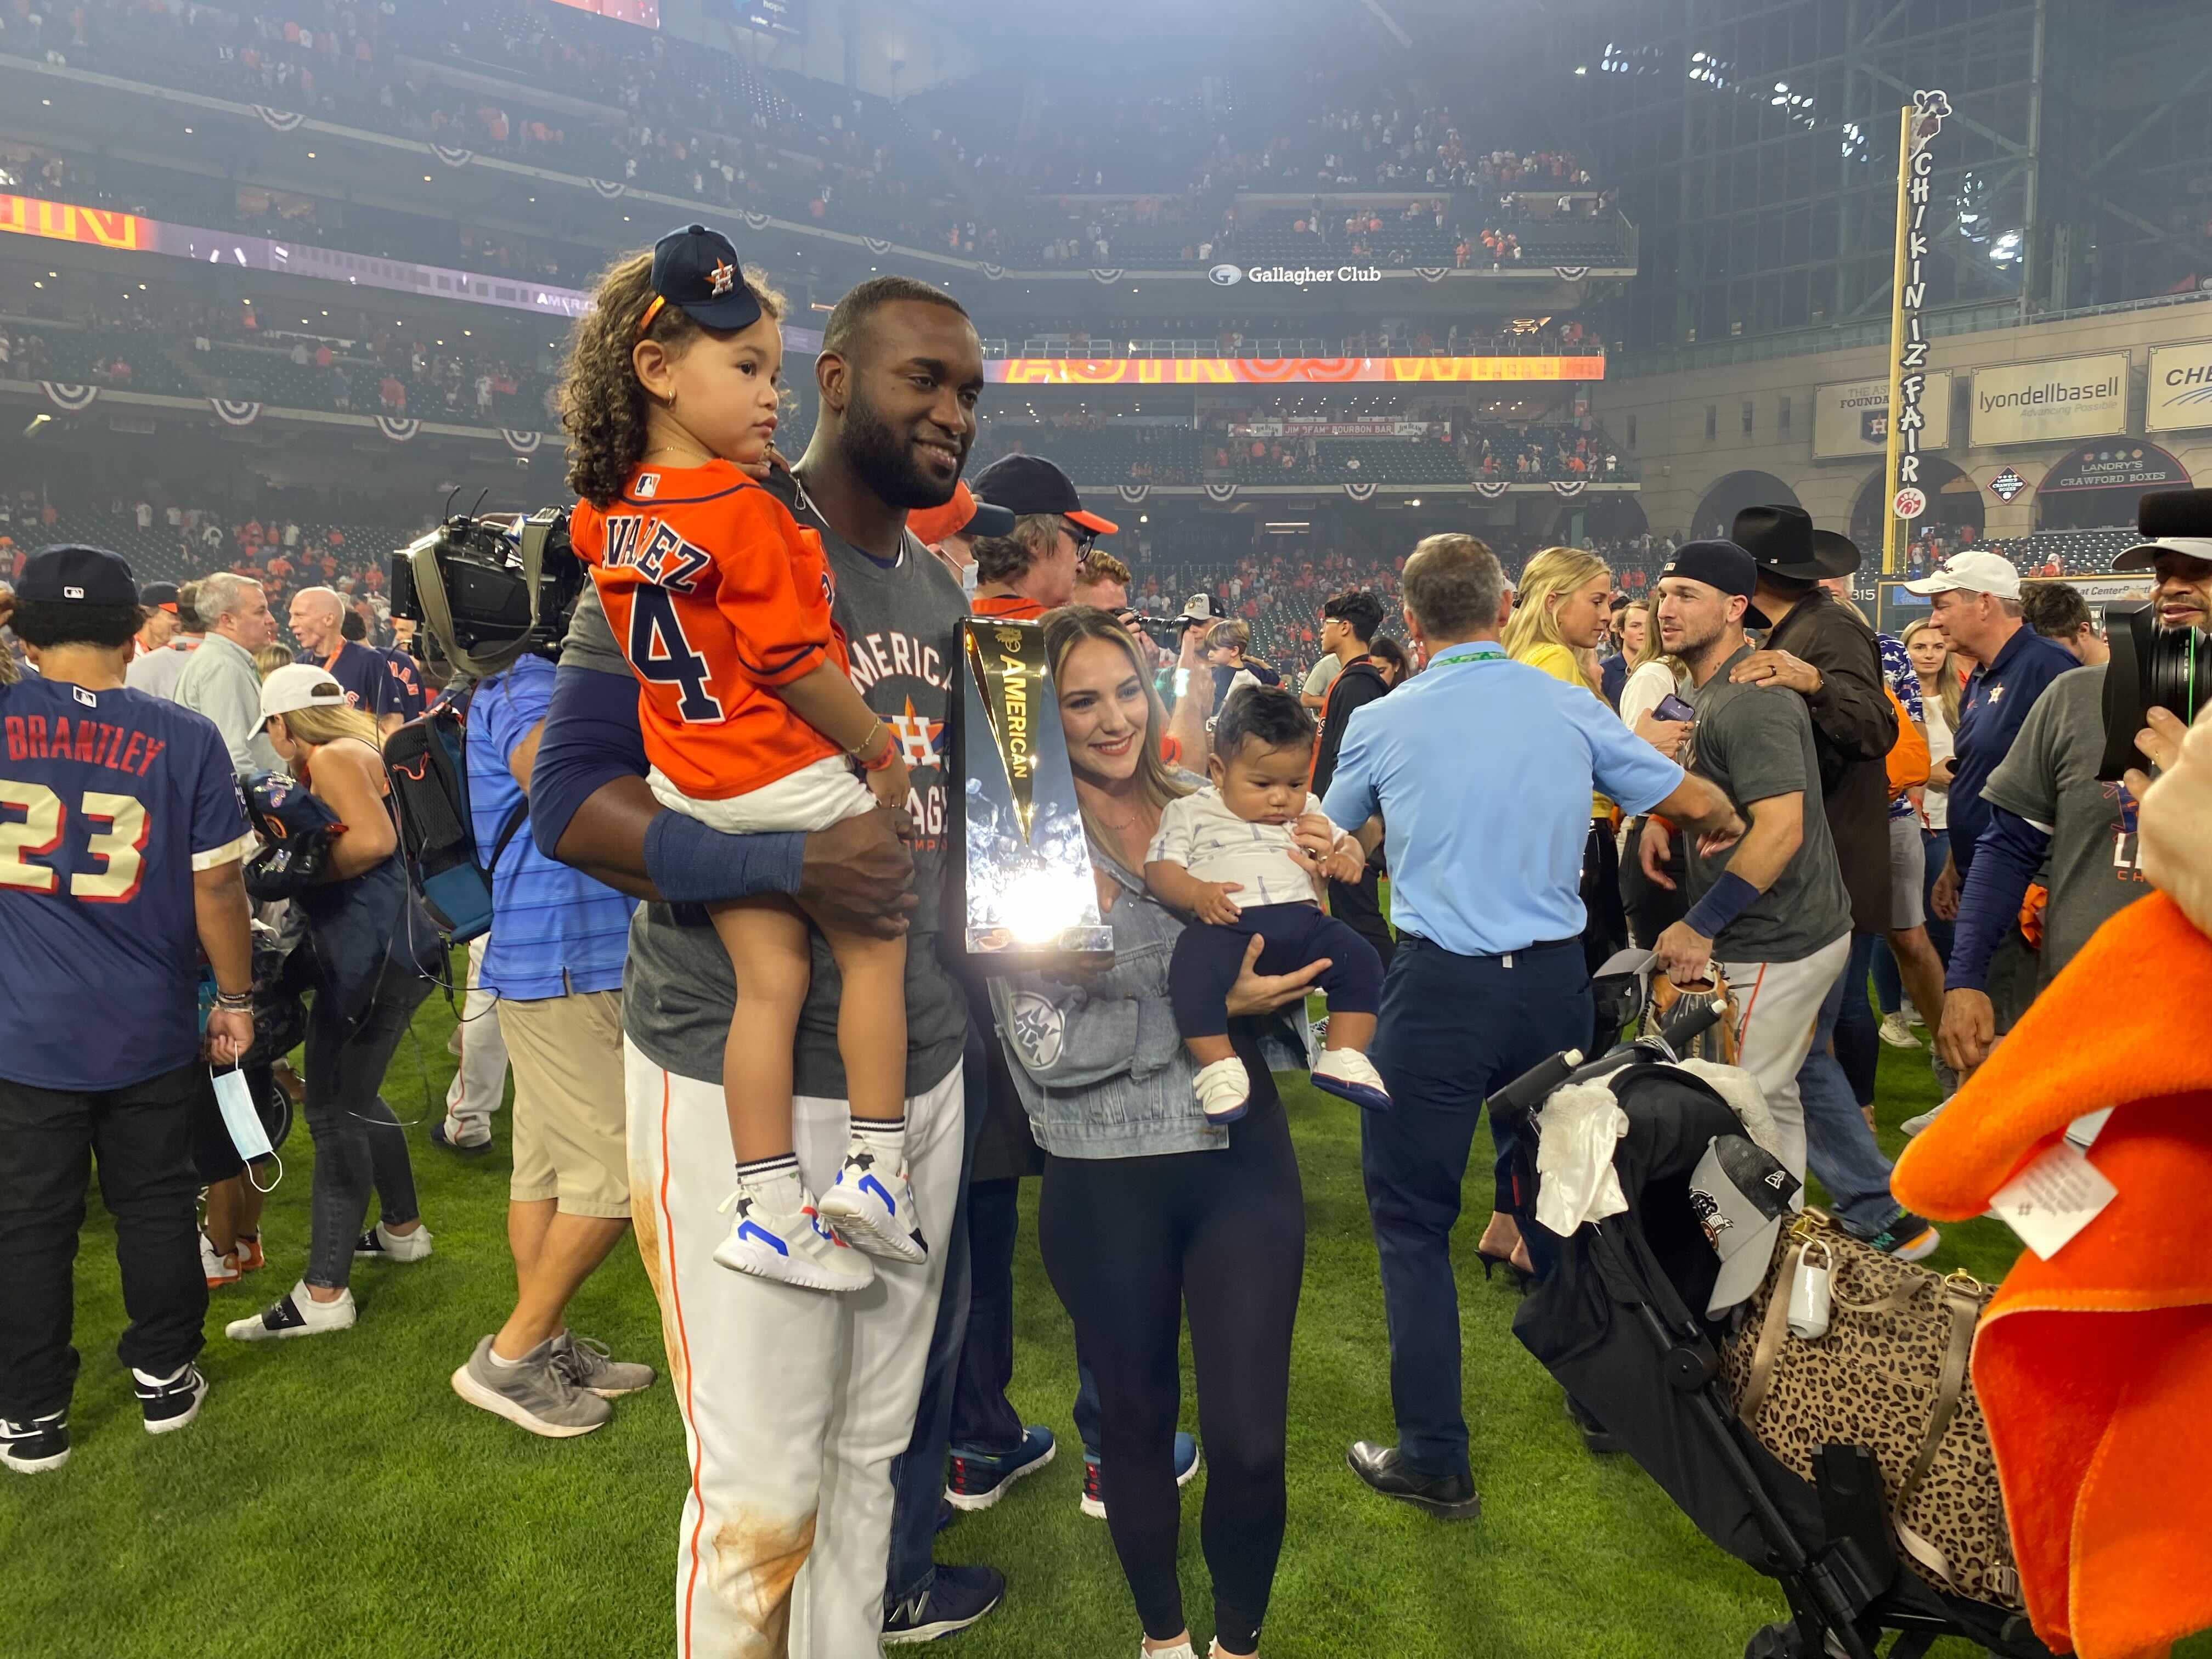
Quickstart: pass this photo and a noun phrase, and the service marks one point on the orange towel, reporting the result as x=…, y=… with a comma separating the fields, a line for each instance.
x=2095, y=1369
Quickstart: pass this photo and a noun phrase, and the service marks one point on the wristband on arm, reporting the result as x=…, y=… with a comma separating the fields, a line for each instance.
x=692, y=864
x=1731, y=897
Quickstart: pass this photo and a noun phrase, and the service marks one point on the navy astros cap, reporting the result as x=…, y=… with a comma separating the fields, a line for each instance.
x=696, y=270
x=1722, y=565
x=71, y=575
x=1030, y=484
x=159, y=596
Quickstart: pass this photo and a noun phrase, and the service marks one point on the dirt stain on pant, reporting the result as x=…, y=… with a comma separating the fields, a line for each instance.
x=756, y=1560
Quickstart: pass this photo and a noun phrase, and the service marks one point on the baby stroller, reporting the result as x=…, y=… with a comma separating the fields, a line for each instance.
x=1613, y=1322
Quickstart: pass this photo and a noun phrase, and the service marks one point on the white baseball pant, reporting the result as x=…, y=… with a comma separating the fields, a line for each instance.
x=480, y=1080
x=794, y=1401
x=1778, y=1009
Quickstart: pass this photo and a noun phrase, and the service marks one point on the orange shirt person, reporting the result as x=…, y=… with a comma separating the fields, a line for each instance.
x=721, y=603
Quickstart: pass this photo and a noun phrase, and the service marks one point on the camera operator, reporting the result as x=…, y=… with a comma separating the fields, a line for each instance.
x=129, y=871
x=1102, y=580
x=554, y=961
x=2048, y=808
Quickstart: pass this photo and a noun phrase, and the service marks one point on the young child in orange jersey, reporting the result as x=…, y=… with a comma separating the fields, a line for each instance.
x=721, y=603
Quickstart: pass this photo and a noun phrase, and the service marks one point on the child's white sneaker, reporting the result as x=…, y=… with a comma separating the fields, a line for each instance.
x=1223, y=1090
x=794, y=1246
x=1350, y=1075
x=872, y=1204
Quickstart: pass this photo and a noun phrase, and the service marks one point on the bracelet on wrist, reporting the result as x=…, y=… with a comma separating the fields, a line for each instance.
x=862, y=747
x=235, y=1001
x=882, y=761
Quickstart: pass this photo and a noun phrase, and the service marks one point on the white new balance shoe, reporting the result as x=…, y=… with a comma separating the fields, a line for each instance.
x=1223, y=1090
x=796, y=1247
x=1350, y=1075
x=378, y=1244
x=872, y=1205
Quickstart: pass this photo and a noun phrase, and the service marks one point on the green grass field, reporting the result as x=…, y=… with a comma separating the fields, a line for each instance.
x=335, y=1499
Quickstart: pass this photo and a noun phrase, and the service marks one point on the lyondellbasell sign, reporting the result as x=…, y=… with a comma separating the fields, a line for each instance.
x=2056, y=397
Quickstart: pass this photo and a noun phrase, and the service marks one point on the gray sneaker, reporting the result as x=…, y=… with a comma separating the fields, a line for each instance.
x=589, y=1366
x=535, y=1393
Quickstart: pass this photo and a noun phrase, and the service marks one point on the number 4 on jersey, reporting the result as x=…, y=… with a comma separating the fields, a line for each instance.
x=659, y=650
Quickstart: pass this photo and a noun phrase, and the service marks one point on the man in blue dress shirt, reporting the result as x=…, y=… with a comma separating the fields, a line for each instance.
x=1482, y=770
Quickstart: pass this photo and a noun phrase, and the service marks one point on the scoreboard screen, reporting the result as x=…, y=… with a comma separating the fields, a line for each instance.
x=646, y=13
x=787, y=17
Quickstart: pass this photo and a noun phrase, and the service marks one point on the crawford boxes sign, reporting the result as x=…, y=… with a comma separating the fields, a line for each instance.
x=2180, y=395
x=1852, y=416
x=2056, y=397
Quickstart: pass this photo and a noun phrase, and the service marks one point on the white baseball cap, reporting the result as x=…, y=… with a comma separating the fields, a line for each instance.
x=1971, y=572
x=1200, y=608
x=300, y=685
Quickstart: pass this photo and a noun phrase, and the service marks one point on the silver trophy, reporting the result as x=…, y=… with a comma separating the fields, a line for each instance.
x=1030, y=890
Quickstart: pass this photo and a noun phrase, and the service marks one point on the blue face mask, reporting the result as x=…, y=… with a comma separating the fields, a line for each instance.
x=235, y=1101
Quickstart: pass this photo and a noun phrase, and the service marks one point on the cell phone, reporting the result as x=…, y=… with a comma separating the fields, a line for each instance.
x=1671, y=708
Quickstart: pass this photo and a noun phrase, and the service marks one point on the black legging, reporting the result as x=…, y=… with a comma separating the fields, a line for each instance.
x=1128, y=1242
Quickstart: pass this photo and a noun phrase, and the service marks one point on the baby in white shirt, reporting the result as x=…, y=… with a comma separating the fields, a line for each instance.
x=1236, y=836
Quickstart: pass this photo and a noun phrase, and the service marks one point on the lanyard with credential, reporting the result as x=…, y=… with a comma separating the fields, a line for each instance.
x=1488, y=654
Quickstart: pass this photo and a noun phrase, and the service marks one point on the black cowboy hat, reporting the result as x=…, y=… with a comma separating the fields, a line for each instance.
x=1782, y=541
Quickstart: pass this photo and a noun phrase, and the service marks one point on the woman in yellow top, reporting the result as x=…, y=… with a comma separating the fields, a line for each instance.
x=1560, y=612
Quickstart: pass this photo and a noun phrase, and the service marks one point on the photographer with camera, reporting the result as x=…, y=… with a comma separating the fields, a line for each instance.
x=2049, y=804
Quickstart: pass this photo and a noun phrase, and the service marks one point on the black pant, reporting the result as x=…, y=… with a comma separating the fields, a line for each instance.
x=359, y=1142
x=983, y=1418
x=1360, y=905
x=1209, y=956
x=1128, y=1242
x=1650, y=908
x=1453, y=1030
x=141, y=1137
x=1605, y=930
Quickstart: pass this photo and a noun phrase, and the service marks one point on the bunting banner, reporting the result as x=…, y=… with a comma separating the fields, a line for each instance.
x=754, y=221
x=236, y=411
x=1218, y=493
x=994, y=272
x=400, y=428
x=1490, y=489
x=877, y=244
x=1569, y=488
x=522, y=443
x=277, y=120
x=452, y=155
x=1570, y=273
x=1112, y=274
x=609, y=188
x=1360, y=492
x=70, y=397
x=1431, y=273
x=1133, y=493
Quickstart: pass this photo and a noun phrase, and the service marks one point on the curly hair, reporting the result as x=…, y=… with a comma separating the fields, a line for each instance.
x=603, y=406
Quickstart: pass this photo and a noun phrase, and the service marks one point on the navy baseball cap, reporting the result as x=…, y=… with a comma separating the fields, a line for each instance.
x=696, y=270
x=71, y=574
x=159, y=596
x=1722, y=565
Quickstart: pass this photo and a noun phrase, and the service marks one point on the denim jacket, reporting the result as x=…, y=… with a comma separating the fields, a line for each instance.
x=1096, y=1056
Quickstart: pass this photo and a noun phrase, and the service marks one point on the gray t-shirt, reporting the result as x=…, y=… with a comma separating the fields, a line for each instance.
x=1323, y=675
x=678, y=991
x=1756, y=744
x=2049, y=777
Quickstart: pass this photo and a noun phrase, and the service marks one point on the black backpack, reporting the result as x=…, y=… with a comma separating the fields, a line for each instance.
x=427, y=760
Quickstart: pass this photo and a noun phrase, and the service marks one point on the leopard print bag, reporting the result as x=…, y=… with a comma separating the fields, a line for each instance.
x=1890, y=1375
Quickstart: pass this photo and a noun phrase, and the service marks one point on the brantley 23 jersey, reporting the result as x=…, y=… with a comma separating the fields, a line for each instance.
x=109, y=802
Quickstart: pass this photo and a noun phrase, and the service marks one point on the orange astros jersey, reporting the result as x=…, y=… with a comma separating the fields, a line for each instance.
x=716, y=595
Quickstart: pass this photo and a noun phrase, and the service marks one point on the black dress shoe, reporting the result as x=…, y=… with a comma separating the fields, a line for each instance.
x=1448, y=1497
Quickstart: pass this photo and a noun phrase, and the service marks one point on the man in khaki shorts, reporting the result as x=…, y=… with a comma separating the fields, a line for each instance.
x=555, y=964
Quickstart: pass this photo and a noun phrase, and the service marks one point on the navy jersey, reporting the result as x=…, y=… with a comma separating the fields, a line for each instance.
x=367, y=678
x=109, y=801
x=407, y=679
